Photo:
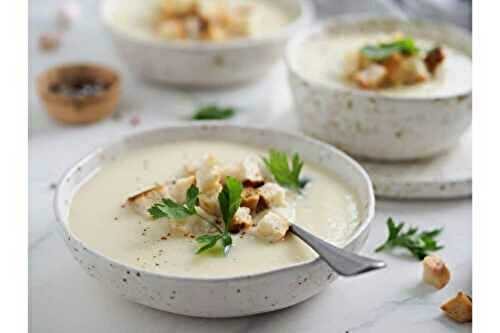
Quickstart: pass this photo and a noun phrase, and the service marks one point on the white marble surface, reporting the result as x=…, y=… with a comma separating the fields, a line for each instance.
x=63, y=298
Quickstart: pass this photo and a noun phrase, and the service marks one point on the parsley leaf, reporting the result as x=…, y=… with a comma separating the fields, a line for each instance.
x=229, y=202
x=172, y=210
x=419, y=244
x=213, y=112
x=385, y=50
x=279, y=166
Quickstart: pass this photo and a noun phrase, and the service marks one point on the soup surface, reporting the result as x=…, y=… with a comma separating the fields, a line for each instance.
x=326, y=207
x=136, y=17
x=322, y=59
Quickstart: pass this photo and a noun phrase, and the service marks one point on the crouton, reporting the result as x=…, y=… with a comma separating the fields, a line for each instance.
x=247, y=172
x=411, y=71
x=141, y=202
x=250, y=198
x=208, y=176
x=272, y=194
x=372, y=77
x=178, y=188
x=171, y=29
x=435, y=272
x=193, y=26
x=210, y=203
x=459, y=308
x=173, y=8
x=433, y=59
x=271, y=227
x=241, y=220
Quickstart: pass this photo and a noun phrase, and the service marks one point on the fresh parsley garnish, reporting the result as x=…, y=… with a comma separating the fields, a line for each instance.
x=419, y=244
x=229, y=202
x=172, y=210
x=279, y=166
x=385, y=50
x=213, y=112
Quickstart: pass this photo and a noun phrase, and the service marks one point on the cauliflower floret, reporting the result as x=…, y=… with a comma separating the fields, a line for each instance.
x=178, y=188
x=241, y=220
x=142, y=201
x=435, y=272
x=273, y=195
x=208, y=176
x=271, y=227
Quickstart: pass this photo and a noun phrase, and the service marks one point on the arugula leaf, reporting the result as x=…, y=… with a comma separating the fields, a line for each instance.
x=385, y=50
x=278, y=165
x=213, y=112
x=419, y=244
x=172, y=210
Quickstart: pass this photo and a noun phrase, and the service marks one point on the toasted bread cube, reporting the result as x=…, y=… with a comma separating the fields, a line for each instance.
x=250, y=198
x=414, y=70
x=141, y=202
x=241, y=220
x=192, y=26
x=216, y=33
x=433, y=59
x=273, y=195
x=436, y=272
x=459, y=308
x=178, y=188
x=171, y=29
x=208, y=176
x=271, y=227
x=372, y=77
x=174, y=8
x=247, y=171
x=210, y=203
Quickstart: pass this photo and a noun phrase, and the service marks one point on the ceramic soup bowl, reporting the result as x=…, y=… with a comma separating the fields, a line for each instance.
x=215, y=297
x=370, y=124
x=206, y=64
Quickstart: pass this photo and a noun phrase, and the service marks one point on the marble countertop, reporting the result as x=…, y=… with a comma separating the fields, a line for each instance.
x=63, y=298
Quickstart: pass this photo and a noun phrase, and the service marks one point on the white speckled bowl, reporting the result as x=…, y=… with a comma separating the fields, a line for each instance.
x=368, y=124
x=215, y=297
x=205, y=64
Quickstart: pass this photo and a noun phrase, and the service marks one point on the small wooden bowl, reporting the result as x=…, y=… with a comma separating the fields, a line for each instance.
x=79, y=108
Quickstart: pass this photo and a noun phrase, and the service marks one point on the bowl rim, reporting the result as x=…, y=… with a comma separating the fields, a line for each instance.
x=64, y=224
x=350, y=19
x=305, y=16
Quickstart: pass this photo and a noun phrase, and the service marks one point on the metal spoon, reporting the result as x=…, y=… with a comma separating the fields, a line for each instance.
x=343, y=262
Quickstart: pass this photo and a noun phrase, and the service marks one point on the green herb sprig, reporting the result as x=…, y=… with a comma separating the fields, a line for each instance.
x=229, y=202
x=213, y=112
x=419, y=244
x=279, y=165
x=385, y=50
x=172, y=210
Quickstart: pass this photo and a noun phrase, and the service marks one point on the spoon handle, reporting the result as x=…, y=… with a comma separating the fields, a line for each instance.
x=343, y=262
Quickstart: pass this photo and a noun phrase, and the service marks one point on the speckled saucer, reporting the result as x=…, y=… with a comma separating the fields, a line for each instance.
x=445, y=176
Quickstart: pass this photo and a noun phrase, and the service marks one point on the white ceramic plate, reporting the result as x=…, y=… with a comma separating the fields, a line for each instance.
x=215, y=297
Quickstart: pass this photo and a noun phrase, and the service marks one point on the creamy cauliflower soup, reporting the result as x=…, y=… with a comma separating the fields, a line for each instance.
x=159, y=208
x=433, y=70
x=203, y=20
